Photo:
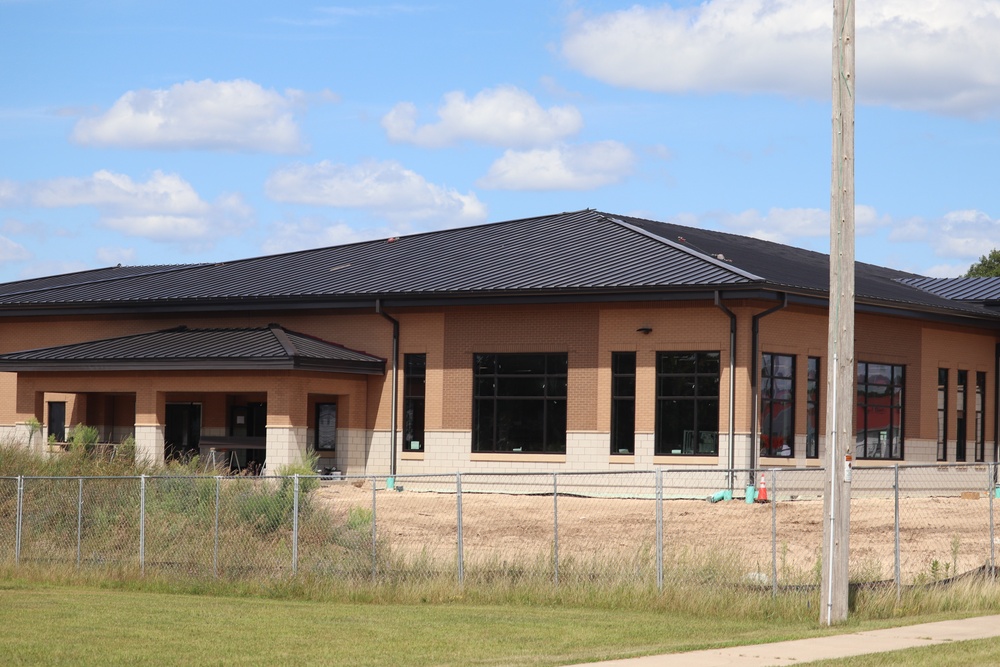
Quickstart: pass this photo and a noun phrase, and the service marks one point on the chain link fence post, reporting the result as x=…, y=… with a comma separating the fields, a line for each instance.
x=19, y=520
x=374, y=533
x=295, y=523
x=898, y=556
x=79, y=521
x=659, y=529
x=215, y=536
x=142, y=524
x=991, y=490
x=555, y=526
x=461, y=546
x=774, y=532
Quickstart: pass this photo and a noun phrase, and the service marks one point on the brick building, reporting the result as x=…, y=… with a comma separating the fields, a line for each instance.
x=576, y=341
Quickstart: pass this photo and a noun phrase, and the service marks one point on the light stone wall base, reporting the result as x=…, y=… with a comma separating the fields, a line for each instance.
x=149, y=443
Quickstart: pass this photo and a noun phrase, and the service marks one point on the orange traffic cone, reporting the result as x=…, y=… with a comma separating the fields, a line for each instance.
x=762, y=491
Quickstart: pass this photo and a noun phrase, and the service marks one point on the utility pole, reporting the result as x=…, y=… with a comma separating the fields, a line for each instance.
x=840, y=396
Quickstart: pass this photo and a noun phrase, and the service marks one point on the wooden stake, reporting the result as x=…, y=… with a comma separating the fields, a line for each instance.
x=840, y=397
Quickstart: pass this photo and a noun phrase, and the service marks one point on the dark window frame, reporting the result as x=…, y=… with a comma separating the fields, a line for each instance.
x=961, y=416
x=691, y=406
x=774, y=403
x=871, y=441
x=980, y=416
x=813, y=367
x=942, y=415
x=500, y=421
x=623, y=403
x=414, y=401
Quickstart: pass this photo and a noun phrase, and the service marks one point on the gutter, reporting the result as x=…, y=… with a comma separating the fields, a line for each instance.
x=395, y=382
x=755, y=381
x=731, y=461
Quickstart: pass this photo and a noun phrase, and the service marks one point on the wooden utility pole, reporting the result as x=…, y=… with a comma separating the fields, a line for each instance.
x=840, y=398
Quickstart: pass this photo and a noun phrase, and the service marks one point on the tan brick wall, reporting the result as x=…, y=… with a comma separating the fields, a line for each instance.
x=588, y=333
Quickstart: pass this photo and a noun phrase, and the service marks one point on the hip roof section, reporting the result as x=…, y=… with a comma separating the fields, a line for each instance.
x=272, y=347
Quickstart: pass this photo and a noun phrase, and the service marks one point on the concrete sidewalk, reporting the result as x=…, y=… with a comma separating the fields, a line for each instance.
x=822, y=648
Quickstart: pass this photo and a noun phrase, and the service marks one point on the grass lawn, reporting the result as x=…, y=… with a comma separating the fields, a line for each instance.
x=79, y=625
x=73, y=625
x=974, y=653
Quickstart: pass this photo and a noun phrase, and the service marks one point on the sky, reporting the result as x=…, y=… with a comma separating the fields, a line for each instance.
x=171, y=131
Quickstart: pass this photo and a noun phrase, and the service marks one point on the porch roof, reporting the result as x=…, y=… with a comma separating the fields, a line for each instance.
x=268, y=348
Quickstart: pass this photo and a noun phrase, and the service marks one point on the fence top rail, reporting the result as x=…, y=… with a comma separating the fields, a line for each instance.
x=527, y=473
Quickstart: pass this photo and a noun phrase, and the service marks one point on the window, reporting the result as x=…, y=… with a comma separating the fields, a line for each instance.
x=879, y=420
x=414, y=389
x=326, y=426
x=960, y=407
x=519, y=403
x=777, y=405
x=623, y=402
x=942, y=415
x=812, y=409
x=687, y=403
x=980, y=422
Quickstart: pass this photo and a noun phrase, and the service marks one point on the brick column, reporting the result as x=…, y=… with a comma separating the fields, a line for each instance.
x=150, y=414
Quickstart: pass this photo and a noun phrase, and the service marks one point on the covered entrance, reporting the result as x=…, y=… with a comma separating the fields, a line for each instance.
x=245, y=397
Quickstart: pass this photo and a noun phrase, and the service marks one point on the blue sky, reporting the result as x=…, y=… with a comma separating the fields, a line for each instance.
x=149, y=132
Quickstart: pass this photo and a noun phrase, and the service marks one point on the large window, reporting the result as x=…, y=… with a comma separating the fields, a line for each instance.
x=812, y=409
x=519, y=403
x=961, y=427
x=942, y=415
x=980, y=422
x=623, y=402
x=414, y=390
x=777, y=405
x=879, y=420
x=687, y=403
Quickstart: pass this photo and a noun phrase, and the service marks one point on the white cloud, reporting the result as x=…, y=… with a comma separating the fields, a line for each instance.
x=234, y=115
x=109, y=256
x=935, y=56
x=967, y=234
x=502, y=116
x=786, y=225
x=386, y=187
x=301, y=234
x=12, y=251
x=164, y=208
x=583, y=167
x=947, y=270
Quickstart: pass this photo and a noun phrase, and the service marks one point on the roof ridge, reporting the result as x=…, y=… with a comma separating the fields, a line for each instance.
x=161, y=269
x=683, y=248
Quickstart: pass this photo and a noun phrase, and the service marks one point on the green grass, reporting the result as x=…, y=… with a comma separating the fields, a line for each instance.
x=62, y=625
x=973, y=653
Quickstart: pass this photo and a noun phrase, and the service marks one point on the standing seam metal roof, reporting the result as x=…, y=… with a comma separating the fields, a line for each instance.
x=202, y=348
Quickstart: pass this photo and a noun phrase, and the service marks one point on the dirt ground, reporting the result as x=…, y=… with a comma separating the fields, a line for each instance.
x=938, y=536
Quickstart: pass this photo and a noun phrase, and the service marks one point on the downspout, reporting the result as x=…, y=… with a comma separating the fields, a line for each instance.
x=731, y=462
x=395, y=382
x=755, y=380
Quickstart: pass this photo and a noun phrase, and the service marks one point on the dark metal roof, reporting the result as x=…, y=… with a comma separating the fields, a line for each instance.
x=583, y=254
x=959, y=289
x=784, y=267
x=570, y=251
x=181, y=348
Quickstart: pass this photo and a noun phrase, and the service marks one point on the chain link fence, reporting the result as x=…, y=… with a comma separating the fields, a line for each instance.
x=910, y=525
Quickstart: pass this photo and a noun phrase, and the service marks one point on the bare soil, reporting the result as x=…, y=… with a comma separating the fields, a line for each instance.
x=938, y=536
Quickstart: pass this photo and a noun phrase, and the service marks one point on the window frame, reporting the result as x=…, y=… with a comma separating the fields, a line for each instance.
x=503, y=406
x=961, y=417
x=942, y=414
x=813, y=367
x=623, y=367
x=414, y=401
x=865, y=409
x=768, y=403
x=696, y=379
x=979, y=407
